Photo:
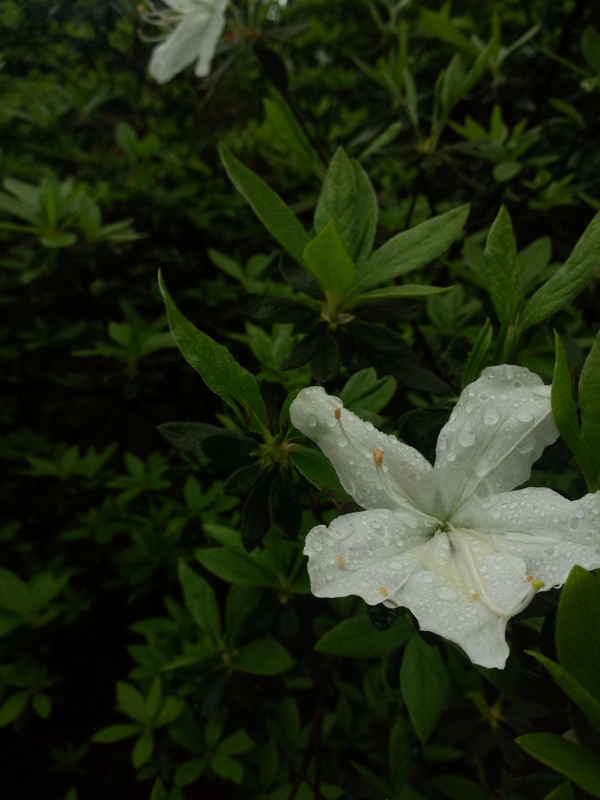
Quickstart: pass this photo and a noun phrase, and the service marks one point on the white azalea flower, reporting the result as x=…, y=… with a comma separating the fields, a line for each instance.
x=451, y=542
x=198, y=27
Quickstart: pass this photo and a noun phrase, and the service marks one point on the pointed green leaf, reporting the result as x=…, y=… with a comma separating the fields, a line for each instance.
x=263, y=657
x=578, y=629
x=404, y=291
x=217, y=367
x=570, y=280
x=563, y=404
x=504, y=275
x=567, y=758
x=357, y=638
x=114, y=733
x=327, y=259
x=412, y=248
x=424, y=683
x=200, y=601
x=572, y=688
x=589, y=404
x=347, y=199
x=276, y=216
x=142, y=750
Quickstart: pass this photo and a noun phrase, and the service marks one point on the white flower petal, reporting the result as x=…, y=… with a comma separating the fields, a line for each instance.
x=210, y=38
x=439, y=596
x=312, y=412
x=369, y=553
x=181, y=48
x=498, y=429
x=549, y=533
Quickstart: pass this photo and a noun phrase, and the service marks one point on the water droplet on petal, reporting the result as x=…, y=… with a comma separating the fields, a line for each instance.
x=491, y=416
x=524, y=416
x=573, y=524
x=466, y=435
x=317, y=546
x=445, y=593
x=426, y=578
x=312, y=420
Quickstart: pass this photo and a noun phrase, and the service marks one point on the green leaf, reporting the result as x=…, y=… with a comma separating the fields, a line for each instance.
x=530, y=787
x=578, y=629
x=589, y=404
x=563, y=404
x=200, y=601
x=459, y=788
x=285, y=510
x=158, y=791
x=238, y=567
x=477, y=356
x=275, y=215
x=263, y=657
x=562, y=792
x=347, y=199
x=327, y=259
x=42, y=705
x=424, y=683
x=170, y=709
x=411, y=249
x=572, y=688
x=15, y=595
x=590, y=45
x=227, y=768
x=236, y=744
x=357, y=638
x=569, y=281
x=188, y=436
x=114, y=733
x=565, y=757
x=189, y=771
x=398, y=292
x=132, y=702
x=504, y=275
x=318, y=469
x=398, y=755
x=217, y=367
x=142, y=750
x=13, y=707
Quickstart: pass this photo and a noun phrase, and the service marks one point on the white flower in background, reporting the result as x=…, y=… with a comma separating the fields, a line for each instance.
x=451, y=542
x=198, y=27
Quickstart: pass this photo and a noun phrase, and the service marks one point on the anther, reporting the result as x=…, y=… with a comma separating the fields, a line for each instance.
x=536, y=584
x=337, y=413
x=341, y=561
x=383, y=591
x=378, y=457
x=474, y=595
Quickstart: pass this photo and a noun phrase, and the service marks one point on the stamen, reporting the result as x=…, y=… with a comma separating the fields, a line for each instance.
x=481, y=590
x=536, y=584
x=383, y=591
x=474, y=595
x=337, y=413
x=341, y=561
x=386, y=486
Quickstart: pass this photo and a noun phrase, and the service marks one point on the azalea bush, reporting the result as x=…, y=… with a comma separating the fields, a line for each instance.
x=300, y=400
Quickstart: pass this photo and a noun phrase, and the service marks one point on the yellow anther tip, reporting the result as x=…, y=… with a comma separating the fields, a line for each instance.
x=341, y=561
x=378, y=457
x=337, y=413
x=383, y=591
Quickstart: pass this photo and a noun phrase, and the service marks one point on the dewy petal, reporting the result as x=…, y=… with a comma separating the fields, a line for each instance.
x=312, y=412
x=210, y=38
x=497, y=430
x=369, y=553
x=182, y=47
x=440, y=595
x=549, y=533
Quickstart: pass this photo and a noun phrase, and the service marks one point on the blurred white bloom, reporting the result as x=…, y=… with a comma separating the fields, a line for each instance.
x=452, y=543
x=198, y=27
